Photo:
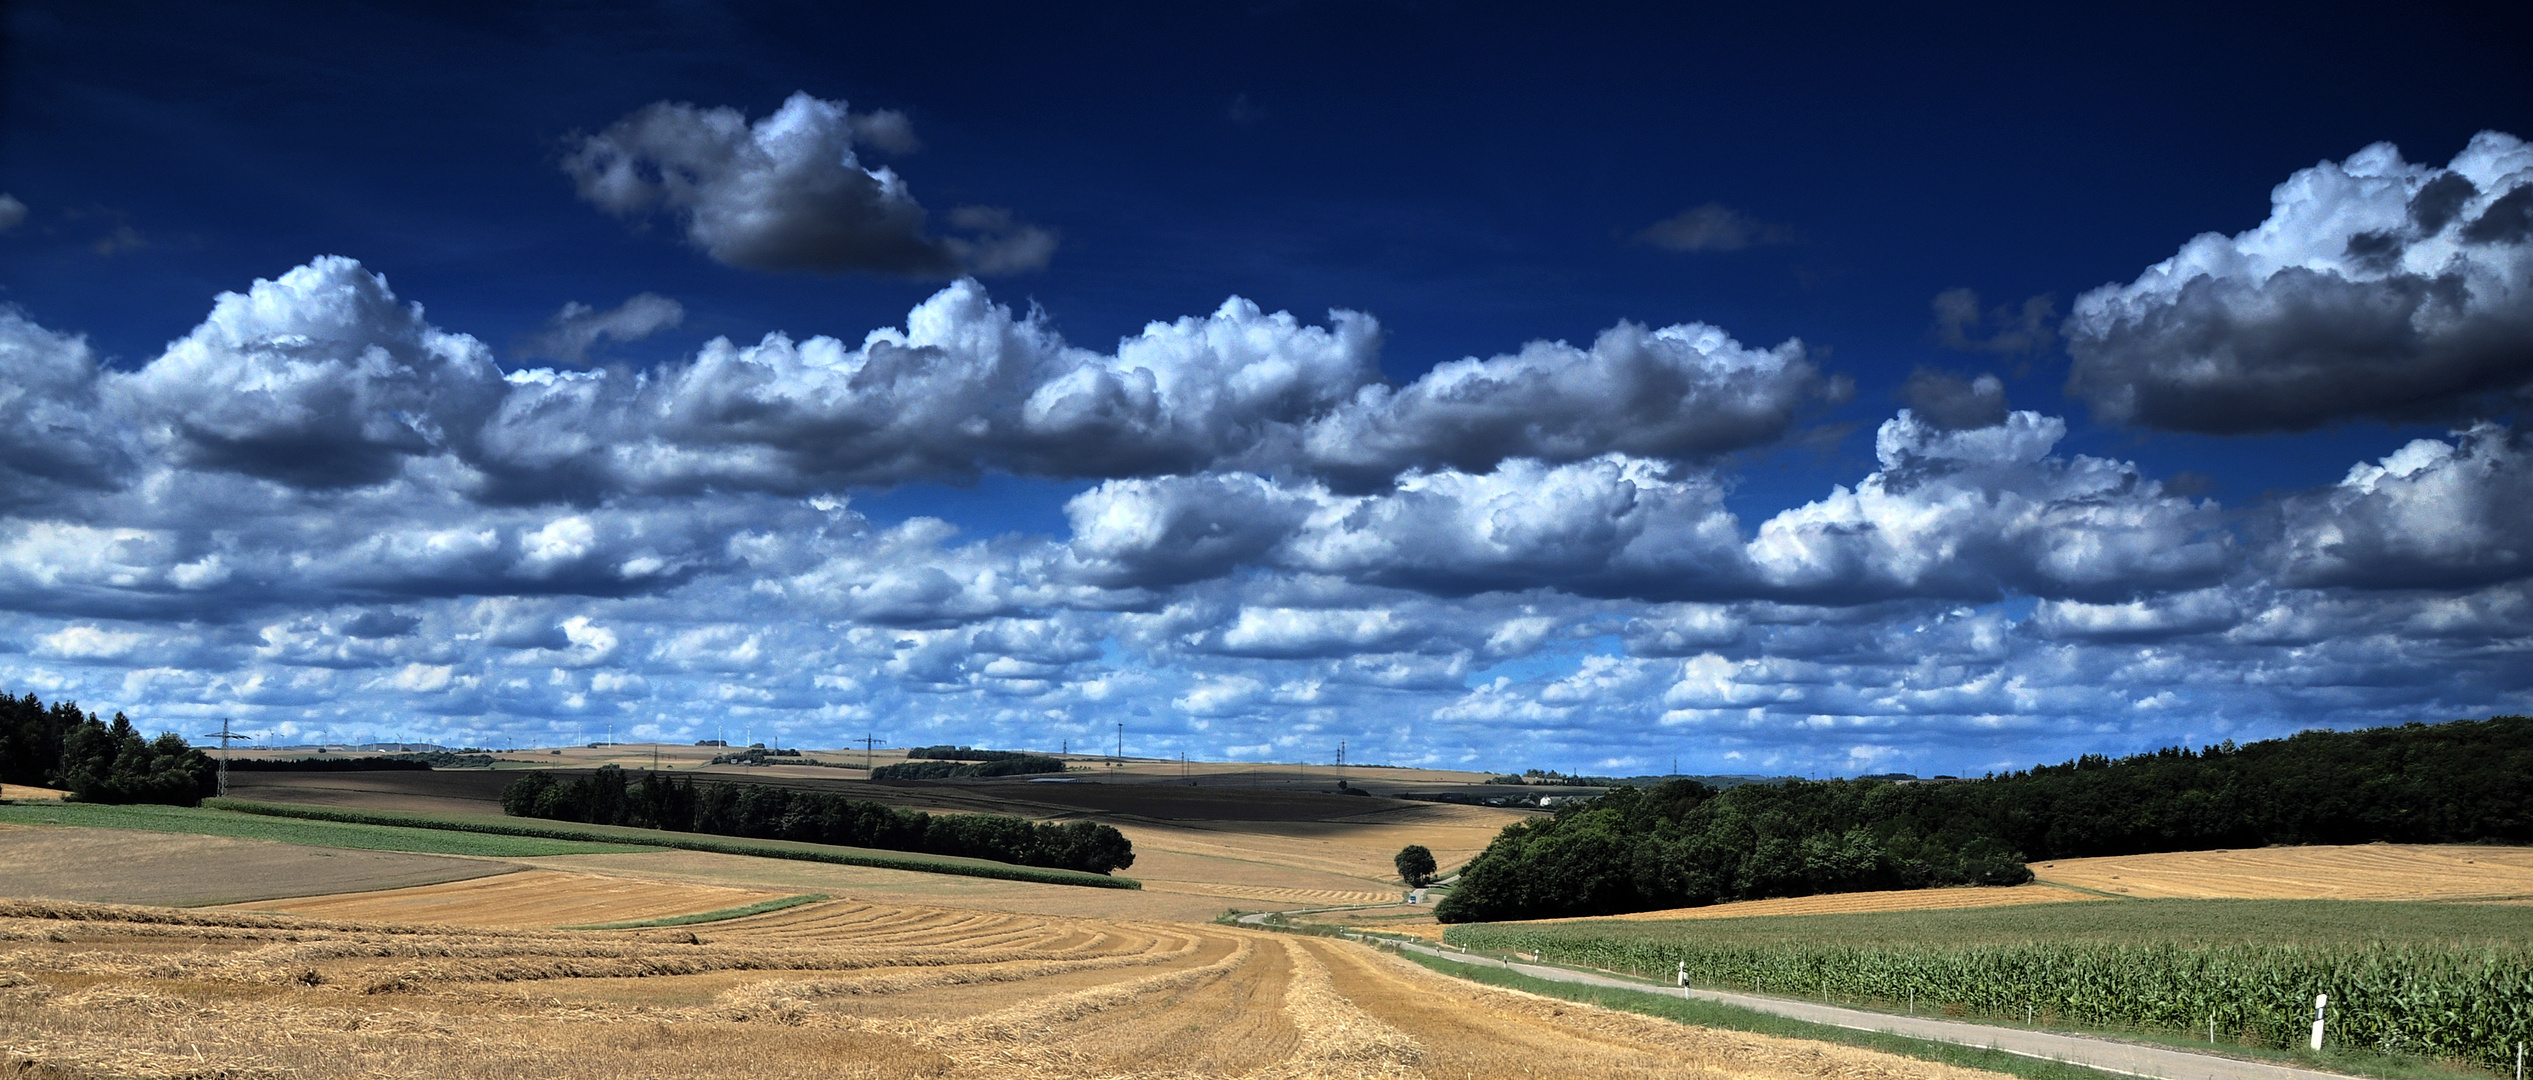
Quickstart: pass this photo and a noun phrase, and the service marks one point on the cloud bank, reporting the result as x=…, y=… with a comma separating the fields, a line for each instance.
x=324, y=513
x=2377, y=289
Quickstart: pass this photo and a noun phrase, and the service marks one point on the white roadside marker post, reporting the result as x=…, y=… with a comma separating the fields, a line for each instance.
x=2519, y=1061
x=2321, y=1002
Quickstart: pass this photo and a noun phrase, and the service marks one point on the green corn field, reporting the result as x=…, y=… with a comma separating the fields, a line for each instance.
x=2446, y=1000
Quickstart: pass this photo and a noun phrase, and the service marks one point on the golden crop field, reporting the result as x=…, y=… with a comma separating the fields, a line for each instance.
x=2351, y=872
x=527, y=898
x=23, y=793
x=1851, y=903
x=842, y=988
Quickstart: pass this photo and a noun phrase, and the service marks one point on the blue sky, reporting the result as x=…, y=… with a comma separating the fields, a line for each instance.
x=1558, y=419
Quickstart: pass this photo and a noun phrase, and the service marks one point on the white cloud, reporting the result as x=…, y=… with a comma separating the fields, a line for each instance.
x=2376, y=289
x=55, y=435
x=319, y=509
x=1979, y=513
x=2434, y=514
x=787, y=192
x=318, y=379
x=12, y=212
x=1687, y=392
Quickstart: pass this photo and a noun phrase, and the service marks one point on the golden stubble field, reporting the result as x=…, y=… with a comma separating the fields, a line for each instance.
x=836, y=989
x=2447, y=872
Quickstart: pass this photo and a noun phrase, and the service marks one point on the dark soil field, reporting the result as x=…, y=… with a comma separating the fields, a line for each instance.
x=447, y=791
x=479, y=791
x=122, y=866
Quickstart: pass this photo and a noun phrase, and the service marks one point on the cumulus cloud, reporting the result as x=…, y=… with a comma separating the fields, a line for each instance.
x=963, y=387
x=574, y=330
x=1711, y=227
x=2434, y=514
x=54, y=434
x=319, y=510
x=1612, y=525
x=323, y=379
x=317, y=379
x=2376, y=289
x=1686, y=392
x=1979, y=513
x=788, y=192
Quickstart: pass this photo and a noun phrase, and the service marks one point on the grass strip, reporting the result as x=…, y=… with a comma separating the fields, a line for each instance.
x=364, y=836
x=1716, y=1014
x=758, y=908
x=719, y=845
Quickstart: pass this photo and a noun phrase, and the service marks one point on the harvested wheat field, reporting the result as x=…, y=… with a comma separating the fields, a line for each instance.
x=529, y=898
x=1858, y=902
x=842, y=988
x=24, y=793
x=2354, y=872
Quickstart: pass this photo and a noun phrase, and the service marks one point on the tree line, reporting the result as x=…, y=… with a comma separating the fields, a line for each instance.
x=610, y=796
x=970, y=753
x=1683, y=844
x=1004, y=763
x=58, y=746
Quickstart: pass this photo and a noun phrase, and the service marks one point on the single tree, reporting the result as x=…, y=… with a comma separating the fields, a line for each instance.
x=1415, y=865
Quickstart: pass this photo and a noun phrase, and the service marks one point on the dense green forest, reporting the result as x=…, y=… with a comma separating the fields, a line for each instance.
x=970, y=753
x=98, y=761
x=1003, y=763
x=360, y=764
x=610, y=797
x=1683, y=844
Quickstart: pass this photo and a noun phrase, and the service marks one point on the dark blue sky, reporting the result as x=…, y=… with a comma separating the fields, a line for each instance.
x=1475, y=177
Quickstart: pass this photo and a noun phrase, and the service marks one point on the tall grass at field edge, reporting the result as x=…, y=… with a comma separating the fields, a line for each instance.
x=618, y=834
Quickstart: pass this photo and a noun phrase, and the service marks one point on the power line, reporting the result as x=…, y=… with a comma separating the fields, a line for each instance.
x=225, y=736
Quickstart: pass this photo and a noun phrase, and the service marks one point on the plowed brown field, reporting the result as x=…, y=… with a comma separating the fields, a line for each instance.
x=842, y=988
x=127, y=866
x=528, y=898
x=2357, y=872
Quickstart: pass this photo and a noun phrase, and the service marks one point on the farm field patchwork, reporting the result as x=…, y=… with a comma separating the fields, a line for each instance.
x=841, y=988
x=1274, y=848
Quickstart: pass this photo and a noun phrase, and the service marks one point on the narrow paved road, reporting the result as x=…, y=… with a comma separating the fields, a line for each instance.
x=2130, y=1059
